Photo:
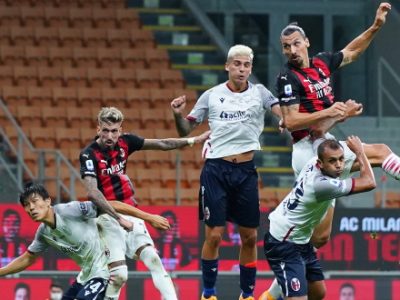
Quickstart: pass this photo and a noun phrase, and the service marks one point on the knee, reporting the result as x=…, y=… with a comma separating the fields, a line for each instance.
x=320, y=240
x=119, y=275
x=213, y=240
x=249, y=240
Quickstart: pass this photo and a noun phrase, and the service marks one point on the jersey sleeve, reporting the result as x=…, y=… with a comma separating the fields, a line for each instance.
x=287, y=88
x=331, y=59
x=329, y=188
x=88, y=165
x=267, y=97
x=38, y=245
x=200, y=110
x=77, y=209
x=134, y=142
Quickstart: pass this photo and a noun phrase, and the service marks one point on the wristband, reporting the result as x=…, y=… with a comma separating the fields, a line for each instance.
x=190, y=141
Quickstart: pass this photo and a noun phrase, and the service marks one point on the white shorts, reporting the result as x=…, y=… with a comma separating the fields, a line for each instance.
x=303, y=152
x=119, y=242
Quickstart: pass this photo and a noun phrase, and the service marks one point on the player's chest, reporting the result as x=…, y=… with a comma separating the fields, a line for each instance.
x=235, y=105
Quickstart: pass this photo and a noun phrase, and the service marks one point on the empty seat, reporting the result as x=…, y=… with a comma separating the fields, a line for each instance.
x=188, y=159
x=80, y=17
x=95, y=37
x=162, y=196
x=29, y=116
x=146, y=133
x=6, y=75
x=40, y=96
x=191, y=95
x=123, y=78
x=114, y=97
x=87, y=135
x=65, y=96
x=104, y=18
x=192, y=177
x=90, y=97
x=168, y=178
x=42, y=137
x=132, y=119
x=71, y=37
x=61, y=56
x=14, y=96
x=189, y=196
x=158, y=160
x=51, y=76
x=119, y=38
x=148, y=177
x=142, y=195
x=77, y=119
x=99, y=77
x=26, y=76
x=37, y=56
x=75, y=77
x=5, y=36
x=142, y=38
x=12, y=55
x=32, y=16
x=10, y=16
x=22, y=36
x=161, y=98
x=127, y=18
x=133, y=58
x=56, y=16
x=47, y=37
x=85, y=57
x=157, y=58
x=161, y=133
x=172, y=79
x=109, y=57
x=153, y=118
x=138, y=98
x=68, y=138
x=148, y=78
x=268, y=197
x=54, y=116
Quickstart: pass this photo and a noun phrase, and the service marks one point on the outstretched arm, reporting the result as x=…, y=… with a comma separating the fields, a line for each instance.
x=19, y=264
x=156, y=221
x=357, y=46
x=174, y=143
x=183, y=125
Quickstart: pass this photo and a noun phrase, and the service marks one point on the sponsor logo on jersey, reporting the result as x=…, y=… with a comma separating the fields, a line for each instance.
x=287, y=89
x=233, y=115
x=321, y=88
x=295, y=284
x=114, y=169
x=284, y=77
x=85, y=155
x=222, y=99
x=287, y=99
x=84, y=208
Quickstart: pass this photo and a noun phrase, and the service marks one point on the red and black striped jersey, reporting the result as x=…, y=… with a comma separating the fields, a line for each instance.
x=311, y=87
x=109, y=167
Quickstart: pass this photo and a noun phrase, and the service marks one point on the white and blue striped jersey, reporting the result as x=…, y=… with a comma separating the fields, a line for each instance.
x=236, y=120
x=75, y=235
x=295, y=218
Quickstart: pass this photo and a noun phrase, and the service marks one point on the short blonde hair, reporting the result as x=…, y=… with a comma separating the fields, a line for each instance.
x=110, y=115
x=240, y=50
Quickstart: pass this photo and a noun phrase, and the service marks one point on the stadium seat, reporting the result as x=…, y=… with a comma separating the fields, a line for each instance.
x=191, y=95
x=54, y=116
x=138, y=98
x=161, y=98
x=99, y=77
x=75, y=77
x=29, y=116
x=10, y=16
x=133, y=58
x=90, y=97
x=80, y=17
x=119, y=38
x=68, y=137
x=172, y=79
x=73, y=156
x=56, y=17
x=12, y=55
x=65, y=96
x=132, y=119
x=51, y=76
x=61, y=56
x=14, y=96
x=37, y=56
x=162, y=196
x=152, y=118
x=188, y=160
x=268, y=197
x=123, y=78
x=169, y=178
x=148, y=78
x=109, y=57
x=5, y=36
x=32, y=16
x=127, y=18
x=47, y=37
x=22, y=36
x=157, y=58
x=104, y=18
x=114, y=97
x=165, y=133
x=142, y=38
x=70, y=37
x=158, y=160
x=11, y=134
x=142, y=196
x=192, y=177
x=40, y=96
x=144, y=133
x=26, y=76
x=189, y=196
x=95, y=37
x=147, y=178
x=87, y=135
x=42, y=137
x=85, y=57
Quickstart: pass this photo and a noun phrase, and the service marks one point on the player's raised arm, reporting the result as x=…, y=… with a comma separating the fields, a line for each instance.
x=19, y=264
x=183, y=125
x=174, y=143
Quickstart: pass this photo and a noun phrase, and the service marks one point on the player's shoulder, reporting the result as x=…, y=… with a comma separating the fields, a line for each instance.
x=73, y=208
x=286, y=75
x=88, y=149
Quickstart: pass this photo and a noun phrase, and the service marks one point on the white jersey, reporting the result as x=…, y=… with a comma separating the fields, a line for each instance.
x=75, y=235
x=306, y=205
x=236, y=120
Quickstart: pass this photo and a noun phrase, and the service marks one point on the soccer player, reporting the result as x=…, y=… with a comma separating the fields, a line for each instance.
x=229, y=182
x=103, y=169
x=287, y=245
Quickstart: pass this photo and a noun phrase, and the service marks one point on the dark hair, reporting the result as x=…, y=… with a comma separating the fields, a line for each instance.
x=10, y=212
x=30, y=189
x=293, y=27
x=55, y=285
x=347, y=285
x=329, y=143
x=22, y=285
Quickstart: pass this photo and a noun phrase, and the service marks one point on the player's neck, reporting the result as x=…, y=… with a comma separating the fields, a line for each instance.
x=50, y=219
x=237, y=88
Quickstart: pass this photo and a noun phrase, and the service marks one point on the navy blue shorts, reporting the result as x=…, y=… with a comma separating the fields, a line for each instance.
x=95, y=288
x=293, y=265
x=229, y=192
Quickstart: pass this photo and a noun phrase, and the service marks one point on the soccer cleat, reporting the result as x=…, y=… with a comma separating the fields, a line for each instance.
x=247, y=298
x=266, y=296
x=213, y=297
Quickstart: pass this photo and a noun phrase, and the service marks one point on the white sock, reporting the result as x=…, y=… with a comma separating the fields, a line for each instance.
x=391, y=165
x=161, y=278
x=118, y=277
x=275, y=289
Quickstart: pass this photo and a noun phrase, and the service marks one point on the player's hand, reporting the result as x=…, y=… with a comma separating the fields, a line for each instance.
x=281, y=125
x=337, y=110
x=353, y=108
x=381, y=14
x=178, y=104
x=355, y=144
x=159, y=222
x=202, y=137
x=125, y=224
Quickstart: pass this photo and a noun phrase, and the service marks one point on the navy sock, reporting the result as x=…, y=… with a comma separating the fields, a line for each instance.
x=247, y=280
x=209, y=273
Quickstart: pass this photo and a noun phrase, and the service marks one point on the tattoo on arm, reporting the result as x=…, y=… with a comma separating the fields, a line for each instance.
x=98, y=198
x=183, y=125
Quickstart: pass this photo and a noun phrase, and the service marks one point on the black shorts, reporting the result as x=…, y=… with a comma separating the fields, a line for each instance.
x=293, y=265
x=229, y=192
x=94, y=289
